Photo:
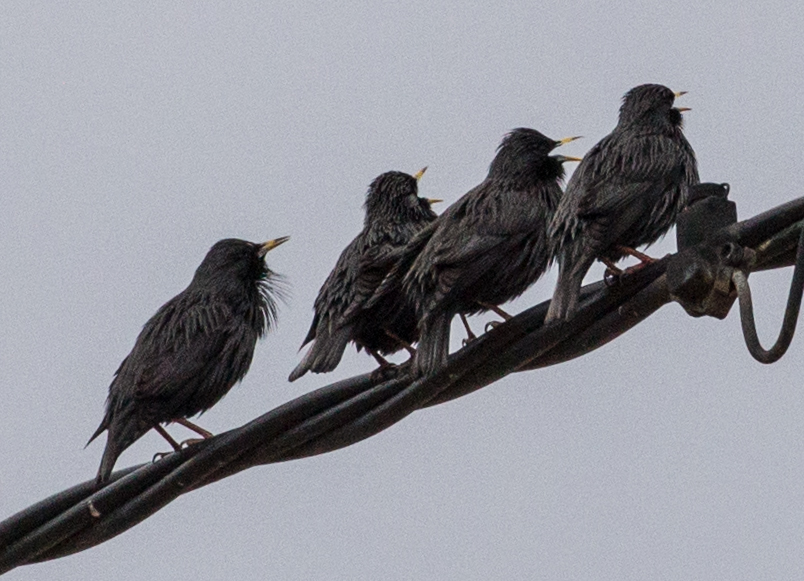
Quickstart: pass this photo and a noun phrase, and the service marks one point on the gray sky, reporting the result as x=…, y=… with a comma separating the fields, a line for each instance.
x=132, y=138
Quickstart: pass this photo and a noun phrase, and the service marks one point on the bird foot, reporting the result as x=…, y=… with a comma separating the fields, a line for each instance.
x=190, y=441
x=470, y=336
x=385, y=372
x=160, y=455
x=612, y=277
x=492, y=325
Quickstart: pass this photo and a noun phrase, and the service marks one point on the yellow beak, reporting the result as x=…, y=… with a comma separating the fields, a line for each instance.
x=568, y=139
x=434, y=200
x=679, y=93
x=682, y=109
x=418, y=175
x=266, y=247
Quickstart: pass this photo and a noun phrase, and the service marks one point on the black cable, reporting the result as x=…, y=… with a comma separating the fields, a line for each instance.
x=351, y=410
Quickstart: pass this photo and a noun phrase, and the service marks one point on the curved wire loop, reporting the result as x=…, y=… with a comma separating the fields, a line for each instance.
x=791, y=312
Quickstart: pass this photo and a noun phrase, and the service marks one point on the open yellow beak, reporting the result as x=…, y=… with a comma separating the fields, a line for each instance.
x=568, y=139
x=266, y=247
x=418, y=175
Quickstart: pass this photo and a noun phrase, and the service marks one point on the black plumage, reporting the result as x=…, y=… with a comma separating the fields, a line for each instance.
x=394, y=214
x=627, y=192
x=195, y=348
x=488, y=247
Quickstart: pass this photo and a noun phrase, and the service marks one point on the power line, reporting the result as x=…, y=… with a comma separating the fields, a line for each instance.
x=354, y=409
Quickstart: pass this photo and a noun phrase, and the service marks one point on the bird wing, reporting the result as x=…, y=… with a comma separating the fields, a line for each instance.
x=472, y=235
x=176, y=347
x=337, y=292
x=480, y=222
x=398, y=262
x=618, y=172
x=374, y=266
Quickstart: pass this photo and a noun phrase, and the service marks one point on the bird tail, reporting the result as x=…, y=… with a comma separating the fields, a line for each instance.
x=110, y=455
x=568, y=289
x=433, y=348
x=103, y=425
x=123, y=429
x=325, y=353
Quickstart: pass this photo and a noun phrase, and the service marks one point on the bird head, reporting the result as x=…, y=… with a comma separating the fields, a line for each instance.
x=650, y=104
x=232, y=262
x=523, y=158
x=394, y=197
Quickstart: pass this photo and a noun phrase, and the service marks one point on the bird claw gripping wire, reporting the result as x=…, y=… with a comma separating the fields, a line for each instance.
x=612, y=277
x=740, y=279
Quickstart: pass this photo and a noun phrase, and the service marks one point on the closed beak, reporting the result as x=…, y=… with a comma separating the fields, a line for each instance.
x=266, y=247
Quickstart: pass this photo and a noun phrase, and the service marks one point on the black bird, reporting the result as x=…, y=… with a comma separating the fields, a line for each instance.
x=627, y=192
x=394, y=213
x=489, y=246
x=194, y=349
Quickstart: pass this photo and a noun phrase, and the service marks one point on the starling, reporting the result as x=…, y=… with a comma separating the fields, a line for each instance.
x=394, y=213
x=627, y=192
x=489, y=246
x=194, y=349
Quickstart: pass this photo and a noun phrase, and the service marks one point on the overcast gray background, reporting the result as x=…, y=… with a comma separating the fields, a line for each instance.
x=132, y=138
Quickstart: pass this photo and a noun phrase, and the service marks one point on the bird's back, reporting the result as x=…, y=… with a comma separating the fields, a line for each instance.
x=489, y=246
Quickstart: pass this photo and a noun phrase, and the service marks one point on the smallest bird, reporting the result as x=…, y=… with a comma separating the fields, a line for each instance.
x=394, y=214
x=194, y=349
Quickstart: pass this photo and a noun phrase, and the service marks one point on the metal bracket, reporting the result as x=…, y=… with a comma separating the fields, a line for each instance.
x=699, y=276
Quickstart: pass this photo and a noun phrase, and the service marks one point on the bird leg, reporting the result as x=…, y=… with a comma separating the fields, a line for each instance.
x=497, y=310
x=176, y=446
x=386, y=370
x=408, y=347
x=380, y=359
x=469, y=335
x=612, y=274
x=197, y=429
x=642, y=257
x=161, y=431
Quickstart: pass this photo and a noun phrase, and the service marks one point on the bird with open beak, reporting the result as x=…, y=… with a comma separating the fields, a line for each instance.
x=627, y=192
x=485, y=249
x=394, y=214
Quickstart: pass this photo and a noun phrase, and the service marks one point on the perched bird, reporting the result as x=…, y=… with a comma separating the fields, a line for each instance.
x=488, y=247
x=394, y=213
x=194, y=349
x=627, y=192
